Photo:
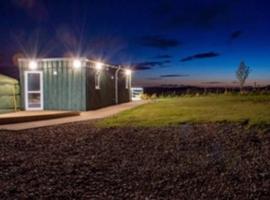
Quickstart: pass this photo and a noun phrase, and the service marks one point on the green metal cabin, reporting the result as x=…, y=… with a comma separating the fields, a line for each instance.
x=68, y=84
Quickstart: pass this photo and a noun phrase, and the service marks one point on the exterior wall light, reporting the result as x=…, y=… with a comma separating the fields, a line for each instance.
x=77, y=64
x=33, y=65
x=128, y=72
x=99, y=66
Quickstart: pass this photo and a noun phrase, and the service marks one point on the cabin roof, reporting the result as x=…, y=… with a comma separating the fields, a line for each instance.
x=83, y=59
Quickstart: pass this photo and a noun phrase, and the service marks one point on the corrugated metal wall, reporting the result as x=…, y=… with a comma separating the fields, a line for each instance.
x=63, y=86
x=123, y=92
x=66, y=88
x=105, y=96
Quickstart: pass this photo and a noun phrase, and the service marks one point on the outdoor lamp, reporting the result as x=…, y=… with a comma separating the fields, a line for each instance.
x=33, y=65
x=77, y=64
x=128, y=72
x=99, y=66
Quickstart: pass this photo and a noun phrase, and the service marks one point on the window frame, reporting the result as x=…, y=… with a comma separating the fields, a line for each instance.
x=97, y=80
x=27, y=91
x=127, y=82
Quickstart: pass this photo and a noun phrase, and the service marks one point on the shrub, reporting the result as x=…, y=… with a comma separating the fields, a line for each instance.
x=145, y=96
x=153, y=97
x=149, y=97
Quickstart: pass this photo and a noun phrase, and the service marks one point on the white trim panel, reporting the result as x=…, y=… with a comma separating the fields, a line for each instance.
x=27, y=92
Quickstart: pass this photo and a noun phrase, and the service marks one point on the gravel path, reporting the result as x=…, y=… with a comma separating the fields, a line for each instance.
x=77, y=161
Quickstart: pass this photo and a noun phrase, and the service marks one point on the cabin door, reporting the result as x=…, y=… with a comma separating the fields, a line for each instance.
x=33, y=90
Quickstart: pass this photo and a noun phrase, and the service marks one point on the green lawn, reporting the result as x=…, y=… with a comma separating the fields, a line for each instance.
x=216, y=108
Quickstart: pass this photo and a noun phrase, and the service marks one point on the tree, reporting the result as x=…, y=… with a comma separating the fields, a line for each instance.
x=242, y=74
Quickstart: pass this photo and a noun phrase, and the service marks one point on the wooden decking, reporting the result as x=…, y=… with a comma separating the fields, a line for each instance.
x=83, y=116
x=28, y=116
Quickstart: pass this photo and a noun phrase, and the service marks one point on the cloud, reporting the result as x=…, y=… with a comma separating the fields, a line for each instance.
x=194, y=13
x=200, y=56
x=154, y=63
x=25, y=3
x=34, y=8
x=67, y=37
x=174, y=75
x=163, y=56
x=154, y=78
x=108, y=47
x=159, y=42
x=149, y=65
x=140, y=68
x=165, y=62
x=236, y=34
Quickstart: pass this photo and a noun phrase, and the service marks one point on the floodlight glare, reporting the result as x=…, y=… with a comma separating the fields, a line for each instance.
x=33, y=65
x=77, y=64
x=99, y=65
x=128, y=72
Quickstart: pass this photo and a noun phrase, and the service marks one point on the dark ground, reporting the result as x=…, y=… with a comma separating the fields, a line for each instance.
x=186, y=162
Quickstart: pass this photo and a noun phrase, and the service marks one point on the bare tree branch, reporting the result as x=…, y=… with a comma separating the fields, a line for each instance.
x=242, y=74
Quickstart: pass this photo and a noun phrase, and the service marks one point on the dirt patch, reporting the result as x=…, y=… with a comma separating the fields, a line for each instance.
x=206, y=161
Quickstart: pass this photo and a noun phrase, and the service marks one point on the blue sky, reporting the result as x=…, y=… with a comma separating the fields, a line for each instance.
x=199, y=42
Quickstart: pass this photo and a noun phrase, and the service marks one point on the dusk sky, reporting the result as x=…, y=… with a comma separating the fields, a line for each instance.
x=195, y=42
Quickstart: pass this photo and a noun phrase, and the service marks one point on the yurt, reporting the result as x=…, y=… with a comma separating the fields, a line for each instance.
x=9, y=94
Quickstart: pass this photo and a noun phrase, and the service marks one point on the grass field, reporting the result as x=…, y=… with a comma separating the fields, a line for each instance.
x=253, y=110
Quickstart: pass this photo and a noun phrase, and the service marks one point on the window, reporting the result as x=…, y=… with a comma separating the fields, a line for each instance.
x=33, y=90
x=97, y=80
x=127, y=82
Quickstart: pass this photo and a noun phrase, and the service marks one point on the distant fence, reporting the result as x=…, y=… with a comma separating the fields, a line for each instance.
x=176, y=91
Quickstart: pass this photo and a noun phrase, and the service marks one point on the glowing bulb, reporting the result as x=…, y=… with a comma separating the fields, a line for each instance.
x=33, y=65
x=99, y=66
x=77, y=64
x=128, y=72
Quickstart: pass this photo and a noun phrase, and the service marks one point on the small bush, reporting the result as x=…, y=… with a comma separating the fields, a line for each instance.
x=145, y=96
x=149, y=97
x=153, y=97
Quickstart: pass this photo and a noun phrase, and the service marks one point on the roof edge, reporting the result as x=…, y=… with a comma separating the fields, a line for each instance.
x=4, y=79
x=69, y=59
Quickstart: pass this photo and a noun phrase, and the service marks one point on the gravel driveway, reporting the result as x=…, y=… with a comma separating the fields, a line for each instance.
x=186, y=162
